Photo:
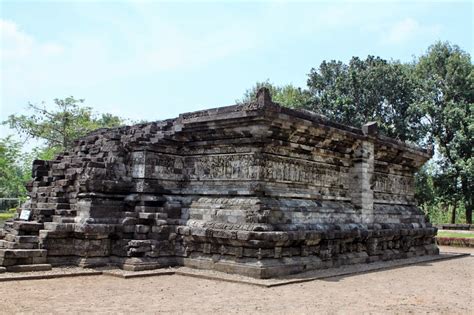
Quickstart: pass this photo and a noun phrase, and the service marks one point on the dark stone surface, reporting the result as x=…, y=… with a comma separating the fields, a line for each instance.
x=255, y=189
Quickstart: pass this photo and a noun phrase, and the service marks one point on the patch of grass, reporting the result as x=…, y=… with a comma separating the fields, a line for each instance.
x=6, y=215
x=455, y=234
x=439, y=214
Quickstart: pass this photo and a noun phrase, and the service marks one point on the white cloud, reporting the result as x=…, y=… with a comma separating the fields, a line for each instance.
x=163, y=46
x=86, y=61
x=406, y=30
x=16, y=44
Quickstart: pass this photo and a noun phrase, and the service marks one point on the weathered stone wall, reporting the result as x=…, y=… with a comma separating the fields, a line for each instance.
x=255, y=189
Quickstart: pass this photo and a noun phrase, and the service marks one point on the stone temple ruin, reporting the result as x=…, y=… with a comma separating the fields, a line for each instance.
x=255, y=189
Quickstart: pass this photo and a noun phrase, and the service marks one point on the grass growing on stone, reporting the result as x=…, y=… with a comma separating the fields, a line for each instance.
x=455, y=234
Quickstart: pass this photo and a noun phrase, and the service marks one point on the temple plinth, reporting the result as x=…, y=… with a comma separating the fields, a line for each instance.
x=255, y=189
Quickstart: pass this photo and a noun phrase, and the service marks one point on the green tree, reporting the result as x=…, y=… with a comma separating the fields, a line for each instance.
x=61, y=126
x=286, y=95
x=428, y=101
x=373, y=89
x=13, y=171
x=57, y=127
x=425, y=192
x=446, y=77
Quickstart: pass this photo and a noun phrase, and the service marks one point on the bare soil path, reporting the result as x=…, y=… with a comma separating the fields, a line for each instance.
x=439, y=287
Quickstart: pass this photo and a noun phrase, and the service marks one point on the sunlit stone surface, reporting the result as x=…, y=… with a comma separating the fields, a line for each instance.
x=255, y=189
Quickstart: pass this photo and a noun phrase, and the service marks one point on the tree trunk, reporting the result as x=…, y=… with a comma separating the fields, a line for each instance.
x=468, y=207
x=467, y=193
x=453, y=213
x=445, y=208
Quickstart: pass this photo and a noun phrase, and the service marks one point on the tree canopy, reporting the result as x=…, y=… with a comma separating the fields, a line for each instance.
x=13, y=169
x=286, y=95
x=429, y=100
x=371, y=89
x=59, y=127
x=446, y=78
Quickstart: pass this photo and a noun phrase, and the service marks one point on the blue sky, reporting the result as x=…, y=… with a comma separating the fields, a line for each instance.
x=154, y=60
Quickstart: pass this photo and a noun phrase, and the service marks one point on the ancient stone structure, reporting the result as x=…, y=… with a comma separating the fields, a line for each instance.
x=255, y=189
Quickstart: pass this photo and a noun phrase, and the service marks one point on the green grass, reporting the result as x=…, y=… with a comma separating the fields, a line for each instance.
x=455, y=235
x=6, y=215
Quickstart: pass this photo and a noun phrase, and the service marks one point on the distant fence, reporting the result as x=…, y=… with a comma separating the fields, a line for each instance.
x=8, y=203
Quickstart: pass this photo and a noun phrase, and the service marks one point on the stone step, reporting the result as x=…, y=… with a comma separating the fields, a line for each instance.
x=8, y=224
x=44, y=234
x=62, y=219
x=22, y=253
x=45, y=212
x=28, y=268
x=44, y=205
x=150, y=209
x=21, y=238
x=10, y=231
x=13, y=245
x=60, y=227
x=150, y=215
x=13, y=257
x=27, y=226
x=66, y=213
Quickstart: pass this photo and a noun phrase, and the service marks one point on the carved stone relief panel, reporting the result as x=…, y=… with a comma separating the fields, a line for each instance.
x=222, y=167
x=393, y=184
x=283, y=169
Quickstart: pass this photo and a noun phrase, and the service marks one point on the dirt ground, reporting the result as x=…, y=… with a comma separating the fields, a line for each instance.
x=437, y=287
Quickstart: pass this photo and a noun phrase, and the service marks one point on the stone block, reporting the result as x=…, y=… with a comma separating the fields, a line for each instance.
x=27, y=226
x=22, y=253
x=29, y=268
x=142, y=228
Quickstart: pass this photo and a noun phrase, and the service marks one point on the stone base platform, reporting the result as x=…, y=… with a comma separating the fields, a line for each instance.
x=274, y=268
x=250, y=267
x=310, y=275
x=29, y=268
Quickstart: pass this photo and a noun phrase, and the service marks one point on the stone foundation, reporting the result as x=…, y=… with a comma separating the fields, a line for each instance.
x=255, y=189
